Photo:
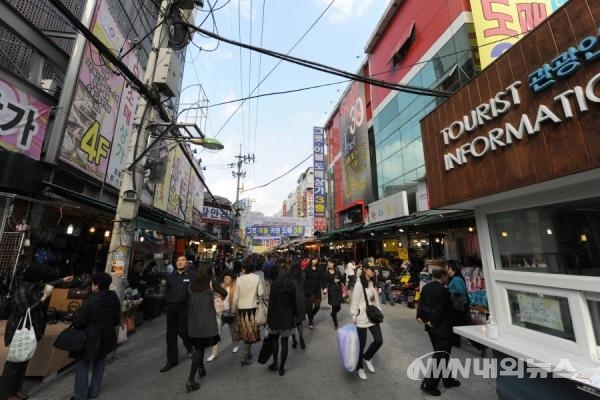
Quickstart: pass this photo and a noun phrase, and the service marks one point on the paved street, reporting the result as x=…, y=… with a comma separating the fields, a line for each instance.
x=312, y=373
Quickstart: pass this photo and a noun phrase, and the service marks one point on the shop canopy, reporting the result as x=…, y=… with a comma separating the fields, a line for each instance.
x=341, y=233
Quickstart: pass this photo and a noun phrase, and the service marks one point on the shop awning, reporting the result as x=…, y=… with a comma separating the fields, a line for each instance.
x=340, y=233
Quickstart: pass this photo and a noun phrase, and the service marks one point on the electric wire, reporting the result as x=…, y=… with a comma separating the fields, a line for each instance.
x=280, y=176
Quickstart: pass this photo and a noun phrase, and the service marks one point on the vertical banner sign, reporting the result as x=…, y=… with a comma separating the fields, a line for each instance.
x=192, y=199
x=177, y=177
x=161, y=191
x=501, y=23
x=355, y=146
x=100, y=118
x=319, y=185
x=23, y=121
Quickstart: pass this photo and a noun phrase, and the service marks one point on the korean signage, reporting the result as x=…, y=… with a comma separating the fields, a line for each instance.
x=394, y=206
x=524, y=120
x=310, y=210
x=320, y=179
x=355, y=146
x=566, y=104
x=23, y=121
x=101, y=117
x=501, y=23
x=216, y=215
x=275, y=230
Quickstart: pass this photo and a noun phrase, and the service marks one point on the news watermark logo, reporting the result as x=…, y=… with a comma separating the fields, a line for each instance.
x=428, y=365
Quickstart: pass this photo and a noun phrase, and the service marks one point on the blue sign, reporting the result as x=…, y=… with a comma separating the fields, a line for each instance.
x=320, y=180
x=565, y=64
x=274, y=230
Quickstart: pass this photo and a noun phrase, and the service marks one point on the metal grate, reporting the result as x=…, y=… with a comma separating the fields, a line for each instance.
x=10, y=248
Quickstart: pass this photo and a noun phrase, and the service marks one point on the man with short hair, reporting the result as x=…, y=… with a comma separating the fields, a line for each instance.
x=434, y=311
x=177, y=310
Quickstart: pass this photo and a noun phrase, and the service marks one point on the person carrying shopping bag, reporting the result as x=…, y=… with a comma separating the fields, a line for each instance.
x=361, y=298
x=30, y=295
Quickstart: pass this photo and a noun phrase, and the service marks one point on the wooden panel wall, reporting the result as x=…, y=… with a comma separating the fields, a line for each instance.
x=557, y=150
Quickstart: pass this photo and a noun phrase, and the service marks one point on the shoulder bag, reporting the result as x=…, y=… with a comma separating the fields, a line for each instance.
x=23, y=344
x=260, y=317
x=374, y=314
x=71, y=339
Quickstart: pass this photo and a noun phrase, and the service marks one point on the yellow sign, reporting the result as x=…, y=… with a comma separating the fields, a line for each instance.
x=501, y=23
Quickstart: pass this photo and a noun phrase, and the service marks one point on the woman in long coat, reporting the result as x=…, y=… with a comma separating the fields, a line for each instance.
x=297, y=278
x=98, y=316
x=281, y=316
x=335, y=297
x=203, y=330
x=29, y=294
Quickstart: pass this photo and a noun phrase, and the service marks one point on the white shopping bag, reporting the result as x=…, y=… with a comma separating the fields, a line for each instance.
x=349, y=347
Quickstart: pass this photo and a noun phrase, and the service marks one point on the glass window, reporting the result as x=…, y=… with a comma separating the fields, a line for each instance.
x=594, y=306
x=560, y=238
x=542, y=313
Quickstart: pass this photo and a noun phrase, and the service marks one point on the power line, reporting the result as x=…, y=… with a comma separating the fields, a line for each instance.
x=280, y=176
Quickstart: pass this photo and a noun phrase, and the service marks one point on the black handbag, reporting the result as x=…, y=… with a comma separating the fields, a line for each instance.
x=71, y=340
x=227, y=317
x=374, y=314
x=266, y=351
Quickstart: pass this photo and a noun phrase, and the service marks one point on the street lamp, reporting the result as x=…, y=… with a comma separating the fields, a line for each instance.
x=207, y=143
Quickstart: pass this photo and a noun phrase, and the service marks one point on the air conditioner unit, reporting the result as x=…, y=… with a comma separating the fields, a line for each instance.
x=169, y=71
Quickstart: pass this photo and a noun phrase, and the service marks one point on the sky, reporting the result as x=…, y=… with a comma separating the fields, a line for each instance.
x=276, y=129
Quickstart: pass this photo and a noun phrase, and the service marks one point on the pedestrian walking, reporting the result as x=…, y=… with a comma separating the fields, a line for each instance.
x=29, y=295
x=225, y=316
x=335, y=296
x=98, y=317
x=358, y=308
x=177, y=310
x=202, y=321
x=248, y=293
x=461, y=305
x=281, y=316
x=297, y=278
x=434, y=311
x=313, y=287
x=350, y=274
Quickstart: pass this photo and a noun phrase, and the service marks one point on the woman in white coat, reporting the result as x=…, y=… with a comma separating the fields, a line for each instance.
x=358, y=308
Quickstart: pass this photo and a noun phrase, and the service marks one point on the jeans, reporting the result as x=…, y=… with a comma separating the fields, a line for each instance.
x=12, y=378
x=362, y=340
x=82, y=390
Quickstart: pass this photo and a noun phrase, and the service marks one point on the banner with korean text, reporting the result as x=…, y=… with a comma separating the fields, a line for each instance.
x=320, y=180
x=100, y=122
x=23, y=121
x=499, y=23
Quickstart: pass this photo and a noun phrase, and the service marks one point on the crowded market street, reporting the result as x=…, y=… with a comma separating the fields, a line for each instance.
x=315, y=372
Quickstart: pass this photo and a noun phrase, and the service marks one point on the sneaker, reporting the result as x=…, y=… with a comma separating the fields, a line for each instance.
x=211, y=357
x=235, y=349
x=431, y=391
x=369, y=365
x=361, y=374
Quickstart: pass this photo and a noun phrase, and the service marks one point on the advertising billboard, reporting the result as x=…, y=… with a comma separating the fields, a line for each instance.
x=23, y=121
x=355, y=146
x=101, y=117
x=501, y=23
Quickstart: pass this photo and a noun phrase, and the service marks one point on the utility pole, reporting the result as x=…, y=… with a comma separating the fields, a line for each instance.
x=124, y=227
x=242, y=159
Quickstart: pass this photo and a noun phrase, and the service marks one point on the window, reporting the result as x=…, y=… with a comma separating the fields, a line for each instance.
x=593, y=301
x=560, y=238
x=542, y=313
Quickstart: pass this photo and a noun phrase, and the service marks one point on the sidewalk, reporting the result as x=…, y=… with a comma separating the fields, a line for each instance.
x=315, y=372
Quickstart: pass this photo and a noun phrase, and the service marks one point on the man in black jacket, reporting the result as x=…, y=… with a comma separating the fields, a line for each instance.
x=177, y=310
x=435, y=312
x=100, y=313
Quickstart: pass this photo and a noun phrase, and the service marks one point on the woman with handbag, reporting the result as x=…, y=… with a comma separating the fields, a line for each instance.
x=365, y=294
x=461, y=306
x=335, y=296
x=224, y=314
x=203, y=330
x=30, y=295
x=249, y=292
x=98, y=316
x=281, y=316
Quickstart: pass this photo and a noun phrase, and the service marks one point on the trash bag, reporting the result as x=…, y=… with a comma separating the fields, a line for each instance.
x=348, y=345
